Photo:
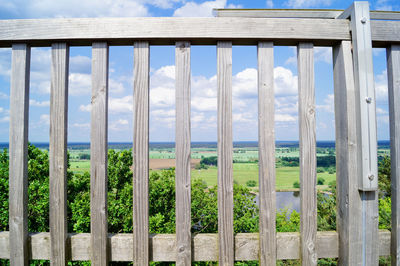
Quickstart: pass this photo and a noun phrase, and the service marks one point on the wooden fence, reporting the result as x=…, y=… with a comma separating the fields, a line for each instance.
x=351, y=34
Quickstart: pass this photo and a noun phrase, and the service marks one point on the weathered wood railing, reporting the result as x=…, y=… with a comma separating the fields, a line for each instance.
x=351, y=34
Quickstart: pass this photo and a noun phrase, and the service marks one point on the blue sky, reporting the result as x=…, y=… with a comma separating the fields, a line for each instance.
x=162, y=94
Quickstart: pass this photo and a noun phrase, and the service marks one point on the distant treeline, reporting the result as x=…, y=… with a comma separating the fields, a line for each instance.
x=322, y=161
x=170, y=145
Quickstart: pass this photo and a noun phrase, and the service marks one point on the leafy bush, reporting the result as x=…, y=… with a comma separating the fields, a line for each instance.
x=251, y=183
x=212, y=160
x=320, y=170
x=320, y=181
x=296, y=184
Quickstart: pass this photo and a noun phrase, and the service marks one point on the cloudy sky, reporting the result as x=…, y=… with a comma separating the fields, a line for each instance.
x=162, y=94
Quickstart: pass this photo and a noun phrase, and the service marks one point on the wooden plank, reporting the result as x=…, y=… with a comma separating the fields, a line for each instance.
x=348, y=197
x=393, y=69
x=266, y=154
x=98, y=154
x=163, y=246
x=182, y=140
x=58, y=152
x=225, y=153
x=141, y=154
x=383, y=33
x=123, y=31
x=18, y=173
x=366, y=129
x=296, y=13
x=308, y=164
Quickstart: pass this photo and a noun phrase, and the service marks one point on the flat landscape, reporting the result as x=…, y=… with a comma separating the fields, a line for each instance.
x=245, y=161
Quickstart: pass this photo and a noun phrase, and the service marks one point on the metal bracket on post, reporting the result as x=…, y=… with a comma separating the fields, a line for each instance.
x=360, y=26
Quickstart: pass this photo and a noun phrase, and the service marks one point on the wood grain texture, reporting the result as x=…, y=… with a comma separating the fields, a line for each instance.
x=123, y=31
x=366, y=129
x=266, y=154
x=293, y=13
x=307, y=143
x=393, y=69
x=182, y=151
x=141, y=154
x=162, y=246
x=18, y=171
x=348, y=197
x=383, y=33
x=98, y=154
x=58, y=153
x=225, y=153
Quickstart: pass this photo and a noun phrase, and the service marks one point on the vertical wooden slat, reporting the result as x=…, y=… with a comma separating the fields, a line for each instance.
x=225, y=149
x=366, y=129
x=58, y=153
x=182, y=141
x=348, y=196
x=141, y=155
x=266, y=153
x=98, y=154
x=393, y=69
x=18, y=173
x=307, y=142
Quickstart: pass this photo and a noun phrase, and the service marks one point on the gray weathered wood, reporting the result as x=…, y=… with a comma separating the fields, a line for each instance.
x=141, y=154
x=98, y=154
x=266, y=154
x=182, y=140
x=225, y=151
x=348, y=197
x=18, y=173
x=205, y=246
x=307, y=142
x=122, y=31
x=383, y=33
x=58, y=153
x=364, y=84
x=293, y=13
x=366, y=129
x=393, y=69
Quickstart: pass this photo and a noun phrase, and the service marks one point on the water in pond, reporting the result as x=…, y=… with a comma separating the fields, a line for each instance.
x=289, y=200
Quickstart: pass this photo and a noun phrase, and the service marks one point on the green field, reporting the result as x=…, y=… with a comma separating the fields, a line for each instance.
x=242, y=172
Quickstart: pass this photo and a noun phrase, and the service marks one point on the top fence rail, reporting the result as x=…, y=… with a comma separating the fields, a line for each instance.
x=199, y=31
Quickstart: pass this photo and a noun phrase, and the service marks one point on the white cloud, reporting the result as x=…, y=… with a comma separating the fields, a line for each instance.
x=80, y=64
x=329, y=104
x=85, y=108
x=193, y=9
x=285, y=83
x=383, y=5
x=3, y=96
x=381, y=86
x=121, y=105
x=118, y=125
x=75, y=8
x=38, y=103
x=81, y=125
x=79, y=84
x=165, y=4
x=321, y=54
x=285, y=118
x=270, y=4
x=380, y=111
x=4, y=119
x=44, y=119
x=307, y=3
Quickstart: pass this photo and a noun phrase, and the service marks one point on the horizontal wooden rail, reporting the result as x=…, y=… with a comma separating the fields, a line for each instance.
x=124, y=31
x=298, y=13
x=205, y=246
